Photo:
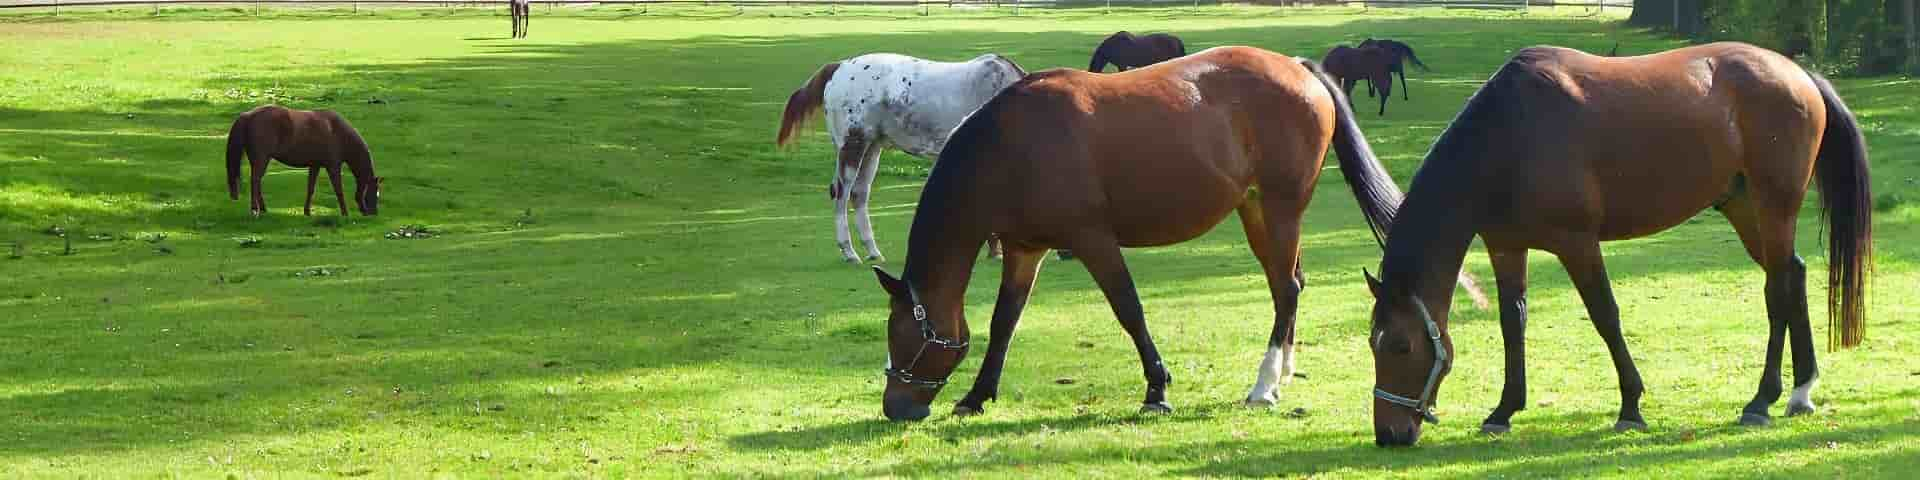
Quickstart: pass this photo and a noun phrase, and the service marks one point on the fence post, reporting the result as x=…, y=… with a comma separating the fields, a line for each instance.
x=1913, y=39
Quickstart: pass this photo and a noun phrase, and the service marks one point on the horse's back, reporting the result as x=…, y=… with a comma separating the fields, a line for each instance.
x=912, y=102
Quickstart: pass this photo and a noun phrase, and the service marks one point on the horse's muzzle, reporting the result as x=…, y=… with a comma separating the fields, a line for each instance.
x=902, y=408
x=1396, y=436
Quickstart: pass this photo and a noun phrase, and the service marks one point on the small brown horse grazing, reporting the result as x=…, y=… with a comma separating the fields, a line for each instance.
x=522, y=12
x=316, y=140
x=1373, y=65
x=1126, y=51
x=1562, y=150
x=1154, y=156
x=1402, y=53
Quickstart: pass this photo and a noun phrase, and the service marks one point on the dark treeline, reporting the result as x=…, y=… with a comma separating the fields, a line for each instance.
x=1865, y=37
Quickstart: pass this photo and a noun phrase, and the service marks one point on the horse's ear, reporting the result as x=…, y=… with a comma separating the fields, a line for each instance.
x=893, y=286
x=1373, y=284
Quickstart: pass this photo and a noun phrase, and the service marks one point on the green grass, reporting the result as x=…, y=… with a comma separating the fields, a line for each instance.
x=629, y=280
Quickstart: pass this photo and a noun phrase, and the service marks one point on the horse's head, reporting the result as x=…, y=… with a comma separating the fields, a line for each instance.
x=919, y=355
x=368, y=196
x=1411, y=355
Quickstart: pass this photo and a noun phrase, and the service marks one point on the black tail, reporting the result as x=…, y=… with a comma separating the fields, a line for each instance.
x=1847, y=200
x=236, y=144
x=1407, y=49
x=1379, y=197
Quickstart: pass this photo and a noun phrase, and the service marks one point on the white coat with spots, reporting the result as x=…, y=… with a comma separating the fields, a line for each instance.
x=879, y=100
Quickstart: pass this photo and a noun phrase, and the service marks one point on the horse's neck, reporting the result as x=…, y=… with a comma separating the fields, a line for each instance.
x=940, y=258
x=1429, y=241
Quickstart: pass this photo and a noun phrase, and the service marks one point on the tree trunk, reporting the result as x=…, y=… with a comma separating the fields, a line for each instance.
x=1795, y=21
x=1913, y=37
x=1652, y=13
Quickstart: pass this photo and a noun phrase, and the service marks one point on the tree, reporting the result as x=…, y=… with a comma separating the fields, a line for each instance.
x=1680, y=16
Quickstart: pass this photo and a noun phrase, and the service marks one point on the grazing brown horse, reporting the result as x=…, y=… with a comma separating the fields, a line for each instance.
x=315, y=140
x=1126, y=51
x=522, y=12
x=1562, y=150
x=1372, y=64
x=1153, y=156
x=1402, y=53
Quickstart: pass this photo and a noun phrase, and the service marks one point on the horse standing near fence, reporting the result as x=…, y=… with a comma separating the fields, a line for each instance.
x=522, y=12
x=1562, y=150
x=878, y=100
x=1126, y=51
x=317, y=140
x=1402, y=53
x=1152, y=156
x=1371, y=64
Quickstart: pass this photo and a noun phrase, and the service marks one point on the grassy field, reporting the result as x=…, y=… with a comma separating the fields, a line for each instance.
x=626, y=279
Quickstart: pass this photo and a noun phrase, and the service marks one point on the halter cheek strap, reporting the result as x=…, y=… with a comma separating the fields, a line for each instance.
x=1440, y=362
x=930, y=338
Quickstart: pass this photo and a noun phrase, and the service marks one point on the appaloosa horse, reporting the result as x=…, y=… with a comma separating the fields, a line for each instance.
x=1152, y=156
x=1371, y=64
x=316, y=140
x=1126, y=51
x=878, y=100
x=1562, y=150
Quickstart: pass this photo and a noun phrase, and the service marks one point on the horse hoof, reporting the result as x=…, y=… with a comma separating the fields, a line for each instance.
x=1156, y=409
x=966, y=411
x=1798, y=410
x=876, y=259
x=1755, y=419
x=1259, y=402
x=851, y=259
x=1629, y=425
x=1498, y=429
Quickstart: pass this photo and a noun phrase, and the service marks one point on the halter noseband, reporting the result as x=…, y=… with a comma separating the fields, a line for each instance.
x=1439, y=364
x=905, y=375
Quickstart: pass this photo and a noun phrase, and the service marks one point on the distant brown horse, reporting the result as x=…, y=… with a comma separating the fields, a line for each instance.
x=1371, y=64
x=522, y=11
x=315, y=140
x=1126, y=51
x=1153, y=156
x=1402, y=53
x=1562, y=150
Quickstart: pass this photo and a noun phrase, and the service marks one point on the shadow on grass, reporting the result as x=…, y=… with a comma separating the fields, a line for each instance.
x=671, y=234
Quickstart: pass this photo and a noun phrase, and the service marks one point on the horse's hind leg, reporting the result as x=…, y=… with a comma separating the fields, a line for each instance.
x=1016, y=283
x=1403, y=85
x=862, y=195
x=1275, y=241
x=843, y=180
x=1766, y=228
x=1581, y=257
x=1100, y=253
x=258, y=172
x=313, y=176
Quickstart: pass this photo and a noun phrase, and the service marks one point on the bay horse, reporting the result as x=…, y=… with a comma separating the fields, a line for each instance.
x=1095, y=162
x=316, y=140
x=1402, y=53
x=1562, y=150
x=1371, y=64
x=522, y=12
x=879, y=100
x=1126, y=51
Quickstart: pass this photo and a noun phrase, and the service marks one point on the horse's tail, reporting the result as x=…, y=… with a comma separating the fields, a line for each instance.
x=804, y=103
x=1408, y=49
x=1847, y=200
x=236, y=144
x=1379, y=197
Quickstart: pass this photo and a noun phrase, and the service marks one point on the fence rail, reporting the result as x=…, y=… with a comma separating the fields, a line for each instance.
x=6, y=4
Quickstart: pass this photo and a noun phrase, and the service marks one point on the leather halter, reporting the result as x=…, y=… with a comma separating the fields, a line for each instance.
x=1440, y=362
x=931, y=338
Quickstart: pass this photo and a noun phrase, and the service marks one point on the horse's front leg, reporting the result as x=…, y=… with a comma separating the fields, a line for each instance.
x=1510, y=272
x=1100, y=252
x=1589, y=274
x=313, y=176
x=1017, y=275
x=333, y=176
